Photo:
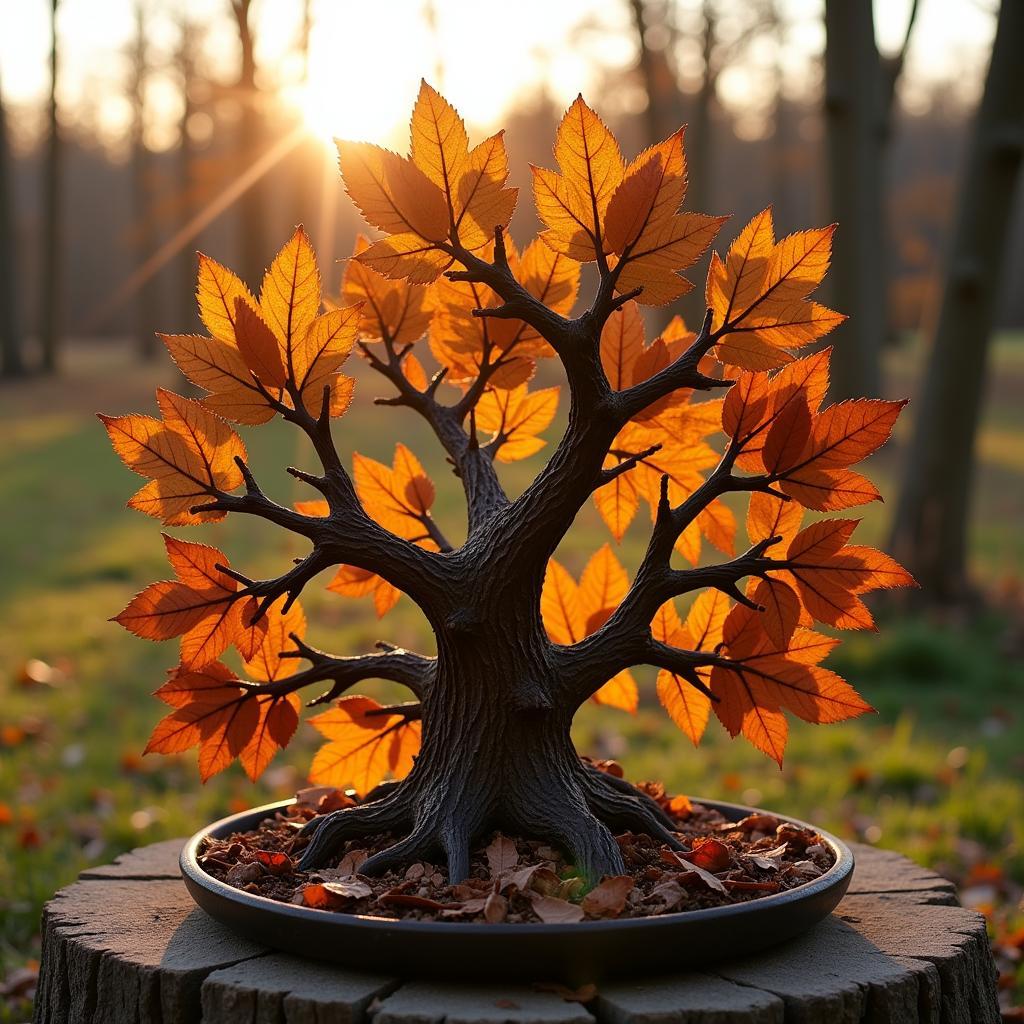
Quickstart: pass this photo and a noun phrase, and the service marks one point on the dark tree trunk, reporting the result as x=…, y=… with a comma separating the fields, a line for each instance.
x=860, y=88
x=12, y=362
x=496, y=749
x=852, y=99
x=51, y=287
x=186, y=159
x=147, y=313
x=251, y=206
x=930, y=531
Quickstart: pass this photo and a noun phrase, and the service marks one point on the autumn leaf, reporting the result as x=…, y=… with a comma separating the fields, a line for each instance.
x=652, y=190
x=514, y=418
x=266, y=355
x=392, y=193
x=188, y=455
x=200, y=605
x=572, y=611
x=444, y=193
x=364, y=746
x=760, y=680
x=829, y=575
x=759, y=294
x=397, y=310
x=573, y=204
x=212, y=711
x=702, y=631
x=399, y=497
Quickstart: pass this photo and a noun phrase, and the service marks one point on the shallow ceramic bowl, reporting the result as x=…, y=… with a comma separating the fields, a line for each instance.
x=573, y=953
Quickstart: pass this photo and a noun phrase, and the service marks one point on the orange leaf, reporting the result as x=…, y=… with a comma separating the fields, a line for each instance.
x=397, y=309
x=685, y=704
x=258, y=346
x=188, y=456
x=515, y=418
x=364, y=747
x=392, y=193
x=651, y=191
x=399, y=498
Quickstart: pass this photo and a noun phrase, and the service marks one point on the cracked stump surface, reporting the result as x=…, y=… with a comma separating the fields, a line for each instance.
x=126, y=945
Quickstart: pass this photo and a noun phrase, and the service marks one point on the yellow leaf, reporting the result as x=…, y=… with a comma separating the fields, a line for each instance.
x=439, y=144
x=590, y=161
x=652, y=190
x=483, y=202
x=515, y=417
x=217, y=290
x=392, y=193
x=393, y=308
x=560, y=606
x=364, y=748
x=290, y=295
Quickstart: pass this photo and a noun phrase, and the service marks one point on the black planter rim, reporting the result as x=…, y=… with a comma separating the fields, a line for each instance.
x=836, y=878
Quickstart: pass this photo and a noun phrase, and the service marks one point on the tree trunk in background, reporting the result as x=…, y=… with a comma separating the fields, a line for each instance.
x=860, y=89
x=930, y=532
x=50, y=280
x=253, y=257
x=147, y=316
x=852, y=98
x=12, y=363
x=186, y=261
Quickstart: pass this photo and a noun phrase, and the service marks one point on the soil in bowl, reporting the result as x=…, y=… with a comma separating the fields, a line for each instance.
x=516, y=880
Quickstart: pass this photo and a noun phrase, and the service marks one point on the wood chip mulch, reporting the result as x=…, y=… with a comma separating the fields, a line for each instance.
x=519, y=880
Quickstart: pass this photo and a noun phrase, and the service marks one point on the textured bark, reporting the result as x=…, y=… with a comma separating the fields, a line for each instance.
x=930, y=533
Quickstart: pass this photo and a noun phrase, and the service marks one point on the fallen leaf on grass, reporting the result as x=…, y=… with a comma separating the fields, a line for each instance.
x=609, y=898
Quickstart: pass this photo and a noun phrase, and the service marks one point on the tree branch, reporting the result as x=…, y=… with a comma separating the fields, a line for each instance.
x=415, y=671
x=683, y=373
x=346, y=536
x=484, y=493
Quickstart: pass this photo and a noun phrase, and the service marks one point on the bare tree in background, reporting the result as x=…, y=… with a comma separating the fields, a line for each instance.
x=657, y=26
x=50, y=288
x=12, y=363
x=860, y=87
x=251, y=207
x=143, y=234
x=185, y=64
x=930, y=532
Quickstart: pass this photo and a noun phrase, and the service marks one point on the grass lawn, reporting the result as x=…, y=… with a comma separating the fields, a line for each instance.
x=935, y=774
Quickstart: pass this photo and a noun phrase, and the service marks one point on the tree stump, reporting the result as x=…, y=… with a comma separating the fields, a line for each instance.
x=126, y=945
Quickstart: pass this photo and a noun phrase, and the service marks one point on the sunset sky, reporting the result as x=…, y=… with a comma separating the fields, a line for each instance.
x=366, y=59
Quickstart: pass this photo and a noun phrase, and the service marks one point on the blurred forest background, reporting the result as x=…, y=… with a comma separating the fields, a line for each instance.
x=134, y=132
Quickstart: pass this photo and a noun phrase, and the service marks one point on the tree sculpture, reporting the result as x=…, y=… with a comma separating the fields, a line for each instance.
x=520, y=645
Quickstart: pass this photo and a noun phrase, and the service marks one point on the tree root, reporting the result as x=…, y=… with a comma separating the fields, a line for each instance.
x=628, y=811
x=330, y=831
x=579, y=817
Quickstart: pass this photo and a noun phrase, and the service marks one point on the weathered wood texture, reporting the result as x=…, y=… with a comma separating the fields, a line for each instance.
x=126, y=945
